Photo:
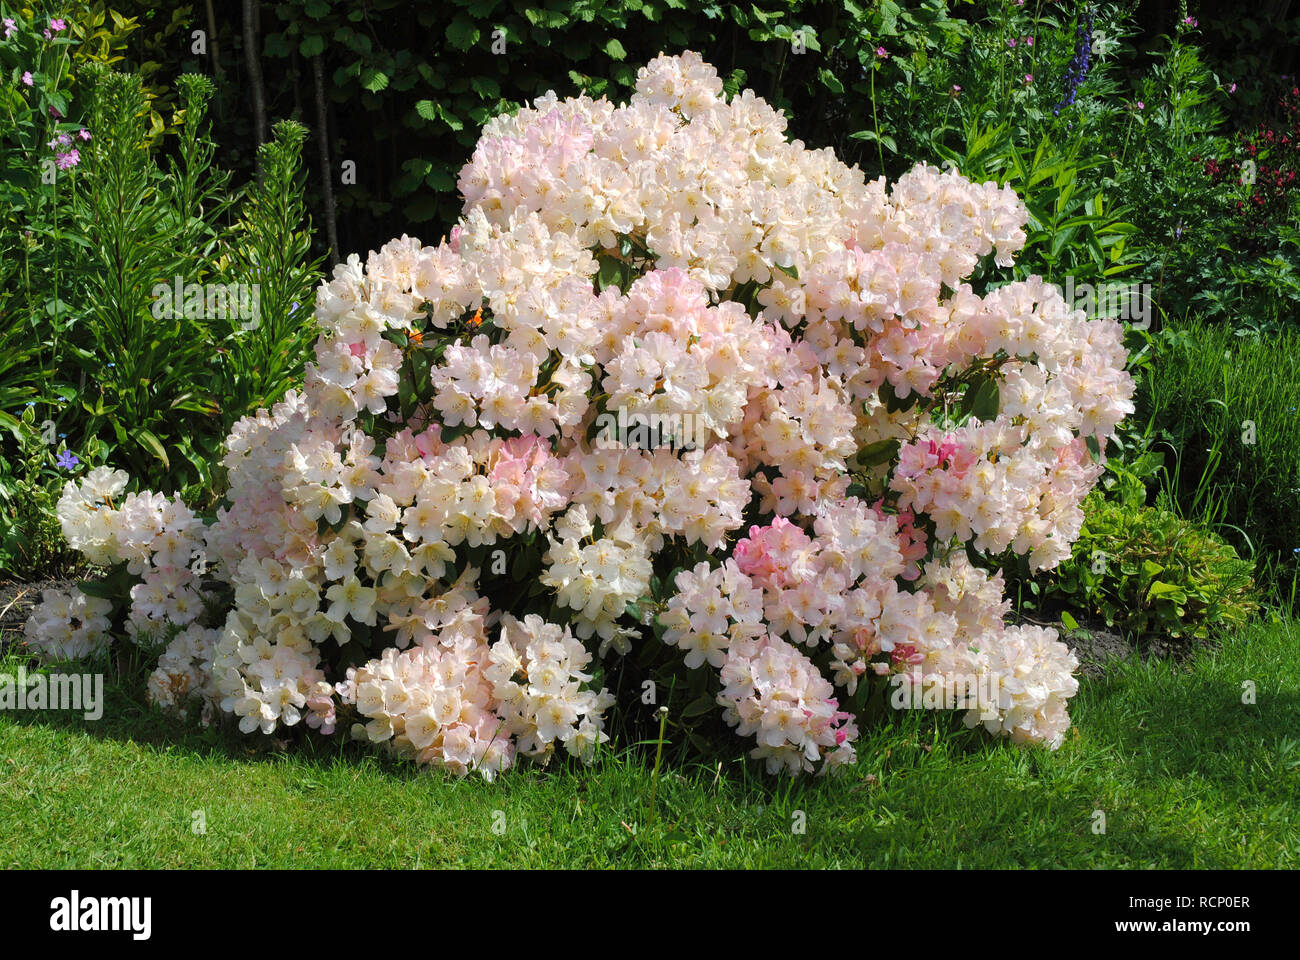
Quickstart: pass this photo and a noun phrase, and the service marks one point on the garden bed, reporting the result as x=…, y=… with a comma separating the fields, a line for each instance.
x=18, y=599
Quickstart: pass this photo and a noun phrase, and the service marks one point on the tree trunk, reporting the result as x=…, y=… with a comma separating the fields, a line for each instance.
x=217, y=69
x=326, y=168
x=252, y=59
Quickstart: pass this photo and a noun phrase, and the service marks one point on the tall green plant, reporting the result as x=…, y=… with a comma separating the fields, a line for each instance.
x=269, y=247
x=143, y=366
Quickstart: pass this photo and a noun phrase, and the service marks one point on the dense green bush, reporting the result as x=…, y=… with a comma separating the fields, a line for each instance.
x=1148, y=571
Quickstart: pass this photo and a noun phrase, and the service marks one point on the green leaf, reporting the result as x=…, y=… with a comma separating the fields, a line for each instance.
x=885, y=140
x=100, y=589
x=699, y=707
x=374, y=80
x=1171, y=590
x=986, y=402
x=462, y=33
x=153, y=445
x=615, y=50
x=1069, y=621
x=611, y=273
x=830, y=81
x=882, y=451
x=312, y=46
x=485, y=87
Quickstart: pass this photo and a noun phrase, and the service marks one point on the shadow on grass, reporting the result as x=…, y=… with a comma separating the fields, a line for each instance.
x=1161, y=722
x=1174, y=723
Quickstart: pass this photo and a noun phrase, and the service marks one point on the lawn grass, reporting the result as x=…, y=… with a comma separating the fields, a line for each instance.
x=1186, y=774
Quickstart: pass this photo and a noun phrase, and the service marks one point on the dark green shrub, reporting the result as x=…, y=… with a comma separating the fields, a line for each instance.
x=1147, y=571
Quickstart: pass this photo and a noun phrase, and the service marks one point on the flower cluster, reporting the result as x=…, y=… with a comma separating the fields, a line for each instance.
x=400, y=537
x=158, y=538
x=456, y=703
x=1266, y=166
x=1080, y=63
x=68, y=625
x=184, y=672
x=774, y=693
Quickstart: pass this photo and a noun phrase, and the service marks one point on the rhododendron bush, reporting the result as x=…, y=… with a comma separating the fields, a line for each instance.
x=449, y=541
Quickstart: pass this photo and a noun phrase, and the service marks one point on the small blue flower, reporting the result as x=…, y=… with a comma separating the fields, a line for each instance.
x=67, y=460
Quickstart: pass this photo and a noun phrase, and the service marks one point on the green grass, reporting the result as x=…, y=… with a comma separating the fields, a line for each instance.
x=1186, y=774
x=1226, y=410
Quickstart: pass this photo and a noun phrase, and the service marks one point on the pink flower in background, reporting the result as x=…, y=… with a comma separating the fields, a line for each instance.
x=1029, y=78
x=882, y=53
x=27, y=78
x=67, y=160
x=57, y=24
x=83, y=133
x=10, y=27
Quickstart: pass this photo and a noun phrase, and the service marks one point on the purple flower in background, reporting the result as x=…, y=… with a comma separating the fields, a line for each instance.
x=27, y=77
x=1077, y=71
x=1190, y=22
x=1232, y=89
x=67, y=460
x=882, y=53
x=83, y=133
x=10, y=27
x=57, y=24
x=65, y=161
